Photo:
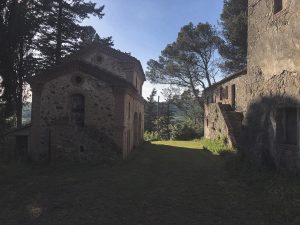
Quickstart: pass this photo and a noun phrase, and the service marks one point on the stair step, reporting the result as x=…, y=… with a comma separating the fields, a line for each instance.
x=226, y=107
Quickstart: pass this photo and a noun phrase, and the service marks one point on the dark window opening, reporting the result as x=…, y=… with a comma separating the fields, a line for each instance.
x=77, y=109
x=226, y=92
x=81, y=148
x=233, y=97
x=221, y=93
x=278, y=6
x=207, y=122
x=99, y=59
x=129, y=110
x=287, y=126
x=207, y=100
x=78, y=79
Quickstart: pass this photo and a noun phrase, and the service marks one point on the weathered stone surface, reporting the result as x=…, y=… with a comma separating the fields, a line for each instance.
x=89, y=108
x=271, y=84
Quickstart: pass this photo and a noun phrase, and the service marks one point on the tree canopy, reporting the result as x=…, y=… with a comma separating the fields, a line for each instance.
x=35, y=35
x=234, y=29
x=189, y=62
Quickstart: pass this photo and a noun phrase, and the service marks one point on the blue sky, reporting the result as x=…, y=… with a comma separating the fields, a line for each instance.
x=145, y=27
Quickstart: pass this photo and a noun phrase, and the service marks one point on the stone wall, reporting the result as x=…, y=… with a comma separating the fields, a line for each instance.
x=273, y=75
x=12, y=145
x=273, y=39
x=134, y=123
x=243, y=94
x=215, y=126
x=272, y=84
x=118, y=63
x=58, y=136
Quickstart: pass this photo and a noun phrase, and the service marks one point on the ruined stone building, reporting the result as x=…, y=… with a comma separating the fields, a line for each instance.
x=88, y=108
x=257, y=110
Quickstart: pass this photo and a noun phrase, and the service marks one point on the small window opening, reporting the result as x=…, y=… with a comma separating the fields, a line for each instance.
x=226, y=92
x=207, y=122
x=78, y=79
x=99, y=59
x=221, y=93
x=81, y=148
x=129, y=110
x=278, y=6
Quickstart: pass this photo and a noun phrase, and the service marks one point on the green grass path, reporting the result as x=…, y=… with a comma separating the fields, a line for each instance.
x=163, y=183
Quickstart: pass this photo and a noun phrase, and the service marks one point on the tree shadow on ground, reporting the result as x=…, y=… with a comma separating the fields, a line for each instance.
x=159, y=185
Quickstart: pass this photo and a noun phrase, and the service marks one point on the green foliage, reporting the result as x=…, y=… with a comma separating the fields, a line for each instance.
x=88, y=36
x=215, y=146
x=151, y=136
x=234, y=21
x=61, y=30
x=19, y=24
x=189, y=61
x=192, y=112
x=184, y=131
x=35, y=35
x=151, y=111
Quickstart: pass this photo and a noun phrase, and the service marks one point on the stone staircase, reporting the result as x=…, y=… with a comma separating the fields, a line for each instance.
x=233, y=120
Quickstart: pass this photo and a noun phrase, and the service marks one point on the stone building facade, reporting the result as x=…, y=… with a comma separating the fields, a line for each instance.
x=257, y=110
x=89, y=108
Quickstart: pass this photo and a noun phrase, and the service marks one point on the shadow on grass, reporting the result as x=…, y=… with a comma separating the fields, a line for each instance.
x=159, y=185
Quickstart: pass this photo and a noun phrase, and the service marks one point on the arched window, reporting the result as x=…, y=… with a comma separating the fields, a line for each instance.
x=77, y=109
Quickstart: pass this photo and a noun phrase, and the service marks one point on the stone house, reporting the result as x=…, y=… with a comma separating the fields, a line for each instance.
x=257, y=110
x=88, y=108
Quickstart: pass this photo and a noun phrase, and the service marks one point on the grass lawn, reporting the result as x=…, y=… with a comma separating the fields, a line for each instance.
x=163, y=183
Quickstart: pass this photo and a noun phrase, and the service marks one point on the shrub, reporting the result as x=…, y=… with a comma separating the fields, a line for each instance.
x=215, y=146
x=151, y=136
x=185, y=132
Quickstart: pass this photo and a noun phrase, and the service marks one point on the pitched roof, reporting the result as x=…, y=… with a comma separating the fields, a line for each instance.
x=226, y=79
x=122, y=56
x=77, y=65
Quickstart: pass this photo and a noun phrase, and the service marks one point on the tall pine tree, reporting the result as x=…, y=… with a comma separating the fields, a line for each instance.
x=234, y=29
x=36, y=34
x=61, y=30
x=19, y=24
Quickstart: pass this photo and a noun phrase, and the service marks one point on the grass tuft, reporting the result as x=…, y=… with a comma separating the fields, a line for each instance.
x=215, y=146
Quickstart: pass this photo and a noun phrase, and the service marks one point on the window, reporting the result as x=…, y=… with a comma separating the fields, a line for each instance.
x=287, y=126
x=226, y=92
x=278, y=6
x=129, y=110
x=207, y=122
x=221, y=93
x=77, y=109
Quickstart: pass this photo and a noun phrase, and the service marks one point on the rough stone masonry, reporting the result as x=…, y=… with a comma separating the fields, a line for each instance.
x=89, y=108
x=257, y=110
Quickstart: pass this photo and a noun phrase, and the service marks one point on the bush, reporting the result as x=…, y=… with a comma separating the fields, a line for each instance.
x=151, y=136
x=185, y=132
x=215, y=146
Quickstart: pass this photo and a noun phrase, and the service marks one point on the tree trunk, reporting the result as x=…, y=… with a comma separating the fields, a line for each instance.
x=59, y=33
x=207, y=76
x=19, y=90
